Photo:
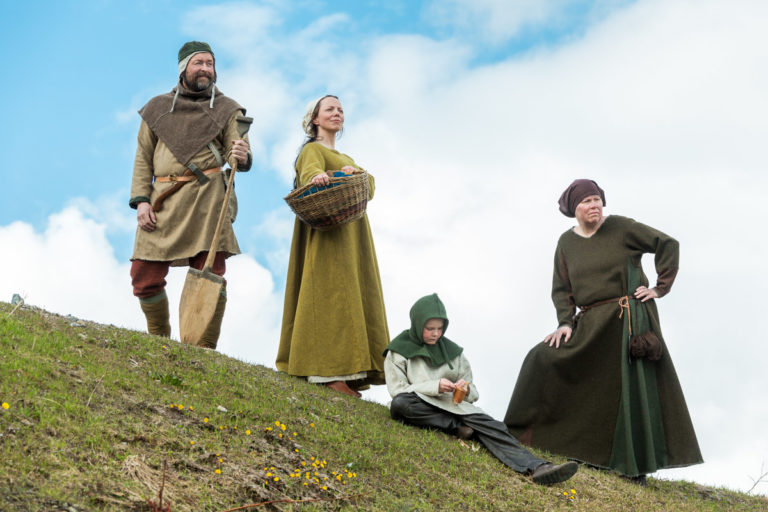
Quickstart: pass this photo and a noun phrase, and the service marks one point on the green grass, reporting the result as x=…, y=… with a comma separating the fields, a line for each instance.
x=95, y=413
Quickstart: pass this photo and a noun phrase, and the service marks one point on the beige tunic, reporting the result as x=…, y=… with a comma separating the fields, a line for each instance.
x=418, y=376
x=187, y=220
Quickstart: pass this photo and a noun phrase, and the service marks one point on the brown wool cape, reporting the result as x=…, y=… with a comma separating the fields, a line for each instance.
x=188, y=218
x=588, y=400
x=334, y=322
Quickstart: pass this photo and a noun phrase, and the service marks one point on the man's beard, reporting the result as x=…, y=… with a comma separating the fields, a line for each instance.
x=200, y=83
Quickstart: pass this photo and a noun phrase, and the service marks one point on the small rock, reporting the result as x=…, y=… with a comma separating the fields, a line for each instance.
x=17, y=299
x=76, y=324
x=220, y=408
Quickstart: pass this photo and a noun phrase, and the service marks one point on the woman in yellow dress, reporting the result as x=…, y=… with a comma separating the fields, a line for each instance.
x=334, y=324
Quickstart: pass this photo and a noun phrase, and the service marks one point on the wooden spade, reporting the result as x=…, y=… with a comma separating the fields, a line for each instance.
x=202, y=287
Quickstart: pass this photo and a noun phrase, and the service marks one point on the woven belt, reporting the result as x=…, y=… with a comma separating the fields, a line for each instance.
x=178, y=182
x=185, y=177
x=622, y=302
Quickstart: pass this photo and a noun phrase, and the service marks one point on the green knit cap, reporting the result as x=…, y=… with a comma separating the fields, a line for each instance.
x=193, y=47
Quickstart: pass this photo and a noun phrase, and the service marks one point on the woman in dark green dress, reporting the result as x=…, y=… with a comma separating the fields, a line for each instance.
x=602, y=388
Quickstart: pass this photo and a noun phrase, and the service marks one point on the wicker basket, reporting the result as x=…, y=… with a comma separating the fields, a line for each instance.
x=338, y=203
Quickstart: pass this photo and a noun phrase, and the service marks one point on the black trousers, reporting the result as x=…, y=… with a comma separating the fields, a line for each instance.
x=410, y=409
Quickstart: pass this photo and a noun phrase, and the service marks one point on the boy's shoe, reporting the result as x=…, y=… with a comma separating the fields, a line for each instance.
x=464, y=432
x=549, y=473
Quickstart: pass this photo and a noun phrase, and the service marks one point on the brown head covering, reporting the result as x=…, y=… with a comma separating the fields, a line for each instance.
x=575, y=193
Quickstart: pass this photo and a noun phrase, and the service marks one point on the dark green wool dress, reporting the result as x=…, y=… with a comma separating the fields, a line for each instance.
x=589, y=399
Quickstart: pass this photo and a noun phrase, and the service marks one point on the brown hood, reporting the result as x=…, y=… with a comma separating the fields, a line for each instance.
x=186, y=121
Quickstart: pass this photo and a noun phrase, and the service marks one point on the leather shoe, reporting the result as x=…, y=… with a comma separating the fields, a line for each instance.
x=464, y=432
x=341, y=387
x=549, y=473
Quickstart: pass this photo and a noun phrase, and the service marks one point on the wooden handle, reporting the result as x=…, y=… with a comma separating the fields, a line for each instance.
x=243, y=123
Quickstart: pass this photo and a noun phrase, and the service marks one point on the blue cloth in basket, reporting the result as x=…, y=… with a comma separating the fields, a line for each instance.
x=313, y=190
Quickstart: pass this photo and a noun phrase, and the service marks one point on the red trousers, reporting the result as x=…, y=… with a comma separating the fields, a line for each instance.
x=148, y=277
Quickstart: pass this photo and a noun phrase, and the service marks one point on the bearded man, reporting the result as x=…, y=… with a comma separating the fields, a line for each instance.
x=178, y=187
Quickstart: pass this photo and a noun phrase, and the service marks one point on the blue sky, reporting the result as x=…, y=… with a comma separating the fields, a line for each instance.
x=472, y=114
x=75, y=66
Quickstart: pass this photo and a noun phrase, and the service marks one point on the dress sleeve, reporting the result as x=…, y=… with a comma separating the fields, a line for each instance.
x=143, y=166
x=666, y=249
x=371, y=180
x=371, y=186
x=310, y=163
x=396, y=374
x=562, y=292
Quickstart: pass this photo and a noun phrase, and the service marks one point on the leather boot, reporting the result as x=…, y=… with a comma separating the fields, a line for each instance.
x=210, y=336
x=156, y=311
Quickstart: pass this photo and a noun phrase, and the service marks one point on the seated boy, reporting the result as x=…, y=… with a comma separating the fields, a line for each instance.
x=423, y=367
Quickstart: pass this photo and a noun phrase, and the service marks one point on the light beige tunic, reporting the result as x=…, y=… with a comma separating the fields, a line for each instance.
x=187, y=220
x=418, y=376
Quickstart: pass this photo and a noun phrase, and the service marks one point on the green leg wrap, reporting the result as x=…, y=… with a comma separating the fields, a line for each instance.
x=156, y=311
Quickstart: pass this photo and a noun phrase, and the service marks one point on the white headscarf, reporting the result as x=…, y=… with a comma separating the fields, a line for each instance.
x=306, y=121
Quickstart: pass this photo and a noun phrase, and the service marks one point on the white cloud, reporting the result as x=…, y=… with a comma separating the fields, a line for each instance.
x=497, y=21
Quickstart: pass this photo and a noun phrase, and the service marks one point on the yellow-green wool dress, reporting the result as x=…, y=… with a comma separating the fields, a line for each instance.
x=334, y=322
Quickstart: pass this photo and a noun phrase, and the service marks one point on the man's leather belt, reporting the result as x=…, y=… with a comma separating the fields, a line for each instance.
x=179, y=181
x=187, y=176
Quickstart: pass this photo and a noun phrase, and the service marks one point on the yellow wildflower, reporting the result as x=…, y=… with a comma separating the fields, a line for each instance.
x=191, y=442
x=218, y=471
x=306, y=484
x=5, y=405
x=312, y=425
x=277, y=479
x=205, y=420
x=338, y=477
x=282, y=427
x=303, y=463
x=295, y=434
x=269, y=474
x=247, y=432
x=221, y=460
x=181, y=407
x=277, y=423
x=325, y=488
x=191, y=408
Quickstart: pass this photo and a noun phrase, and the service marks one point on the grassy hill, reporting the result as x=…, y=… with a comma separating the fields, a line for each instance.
x=95, y=417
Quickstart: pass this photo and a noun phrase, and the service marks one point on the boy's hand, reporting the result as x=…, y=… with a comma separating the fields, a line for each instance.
x=445, y=386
